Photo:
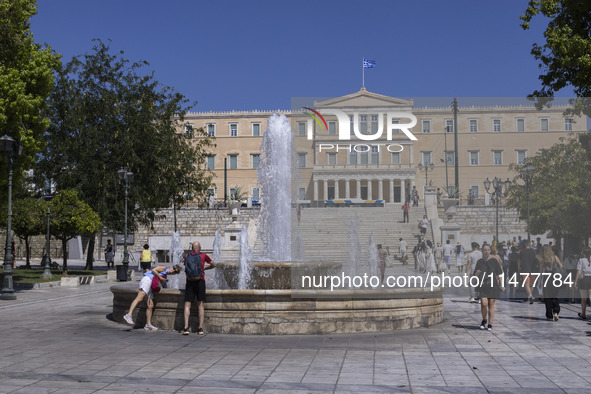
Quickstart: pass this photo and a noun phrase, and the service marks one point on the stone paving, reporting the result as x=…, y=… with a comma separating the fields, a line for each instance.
x=61, y=340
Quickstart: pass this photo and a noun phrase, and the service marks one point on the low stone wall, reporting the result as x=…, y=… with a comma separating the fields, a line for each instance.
x=276, y=312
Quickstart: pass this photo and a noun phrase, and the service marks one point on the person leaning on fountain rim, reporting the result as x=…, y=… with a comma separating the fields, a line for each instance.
x=195, y=270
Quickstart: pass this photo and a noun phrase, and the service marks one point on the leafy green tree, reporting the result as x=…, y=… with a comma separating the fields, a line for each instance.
x=565, y=56
x=107, y=113
x=26, y=78
x=559, y=190
x=28, y=220
x=71, y=217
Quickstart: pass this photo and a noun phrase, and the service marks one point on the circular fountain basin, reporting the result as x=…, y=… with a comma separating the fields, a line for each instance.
x=284, y=311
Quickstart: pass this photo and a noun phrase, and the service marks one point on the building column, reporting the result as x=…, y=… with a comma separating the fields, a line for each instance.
x=380, y=189
x=315, y=190
x=412, y=160
x=402, y=191
x=325, y=190
x=369, y=197
x=358, y=188
x=392, y=190
x=347, y=189
x=336, y=189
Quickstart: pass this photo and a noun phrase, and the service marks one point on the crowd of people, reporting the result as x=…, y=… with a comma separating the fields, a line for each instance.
x=523, y=267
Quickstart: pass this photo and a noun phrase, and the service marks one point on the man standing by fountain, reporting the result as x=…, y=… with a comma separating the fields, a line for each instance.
x=195, y=270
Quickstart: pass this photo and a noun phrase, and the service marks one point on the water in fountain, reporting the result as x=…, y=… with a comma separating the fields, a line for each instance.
x=354, y=258
x=175, y=255
x=217, y=278
x=274, y=175
x=244, y=273
x=372, y=256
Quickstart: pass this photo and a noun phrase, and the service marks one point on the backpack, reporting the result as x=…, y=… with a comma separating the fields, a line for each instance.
x=193, y=266
x=155, y=284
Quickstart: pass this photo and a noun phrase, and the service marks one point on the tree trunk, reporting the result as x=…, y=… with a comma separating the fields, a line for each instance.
x=90, y=253
x=65, y=253
x=27, y=254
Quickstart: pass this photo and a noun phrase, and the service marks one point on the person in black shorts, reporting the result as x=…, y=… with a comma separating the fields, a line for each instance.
x=196, y=286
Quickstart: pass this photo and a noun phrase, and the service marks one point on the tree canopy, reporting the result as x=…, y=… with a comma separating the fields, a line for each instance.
x=107, y=113
x=560, y=201
x=26, y=78
x=565, y=57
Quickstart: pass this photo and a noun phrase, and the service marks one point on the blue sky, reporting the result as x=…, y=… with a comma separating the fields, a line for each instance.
x=239, y=55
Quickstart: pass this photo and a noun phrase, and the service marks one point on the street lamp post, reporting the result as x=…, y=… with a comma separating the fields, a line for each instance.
x=499, y=188
x=126, y=176
x=12, y=149
x=46, y=263
x=426, y=168
x=527, y=173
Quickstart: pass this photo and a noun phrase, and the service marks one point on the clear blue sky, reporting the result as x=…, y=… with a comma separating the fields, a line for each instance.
x=259, y=54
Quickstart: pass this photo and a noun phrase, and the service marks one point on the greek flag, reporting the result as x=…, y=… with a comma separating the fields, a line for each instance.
x=369, y=63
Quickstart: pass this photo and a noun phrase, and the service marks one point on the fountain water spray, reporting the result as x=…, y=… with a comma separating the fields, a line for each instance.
x=274, y=176
x=372, y=256
x=245, y=260
x=175, y=256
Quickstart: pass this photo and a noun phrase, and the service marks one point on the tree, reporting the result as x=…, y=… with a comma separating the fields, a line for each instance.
x=559, y=190
x=26, y=78
x=71, y=217
x=105, y=114
x=565, y=57
x=28, y=220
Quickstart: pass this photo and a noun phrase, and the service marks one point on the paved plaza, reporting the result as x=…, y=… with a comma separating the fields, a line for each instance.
x=61, y=340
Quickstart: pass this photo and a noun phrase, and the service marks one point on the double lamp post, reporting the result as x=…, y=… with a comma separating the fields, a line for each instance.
x=499, y=189
x=125, y=176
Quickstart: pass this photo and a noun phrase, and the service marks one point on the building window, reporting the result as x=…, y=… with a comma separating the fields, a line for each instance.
x=255, y=160
x=375, y=155
x=426, y=126
x=544, y=124
x=395, y=157
x=188, y=130
x=256, y=194
x=332, y=128
x=363, y=124
x=351, y=125
x=395, y=130
x=301, y=160
x=497, y=125
x=211, y=129
x=473, y=125
x=301, y=128
x=426, y=158
x=520, y=157
x=374, y=124
x=474, y=191
x=301, y=193
x=449, y=125
x=211, y=192
x=568, y=124
x=364, y=158
x=256, y=129
x=498, y=158
x=233, y=162
x=473, y=158
x=233, y=129
x=520, y=125
x=332, y=159
x=211, y=162
x=450, y=158
x=353, y=157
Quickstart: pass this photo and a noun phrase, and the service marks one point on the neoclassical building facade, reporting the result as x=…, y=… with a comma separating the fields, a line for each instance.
x=355, y=147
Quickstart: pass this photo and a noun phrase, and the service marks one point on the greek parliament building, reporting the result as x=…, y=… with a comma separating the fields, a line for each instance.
x=491, y=137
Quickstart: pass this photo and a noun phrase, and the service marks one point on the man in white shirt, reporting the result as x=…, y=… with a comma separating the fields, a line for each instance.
x=473, y=258
x=402, y=250
x=447, y=250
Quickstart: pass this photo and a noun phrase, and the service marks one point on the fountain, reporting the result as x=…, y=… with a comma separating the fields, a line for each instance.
x=269, y=296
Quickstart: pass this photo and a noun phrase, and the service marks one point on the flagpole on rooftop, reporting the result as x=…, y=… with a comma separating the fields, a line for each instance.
x=362, y=73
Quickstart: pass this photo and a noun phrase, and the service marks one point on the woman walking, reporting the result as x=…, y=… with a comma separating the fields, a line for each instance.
x=488, y=270
x=549, y=264
x=583, y=281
